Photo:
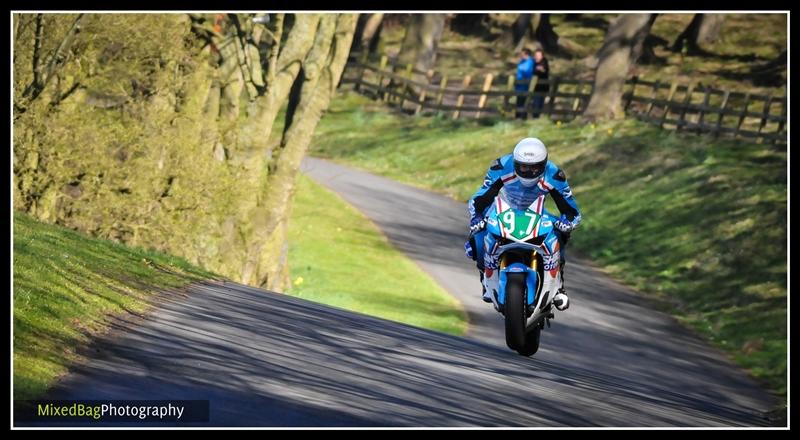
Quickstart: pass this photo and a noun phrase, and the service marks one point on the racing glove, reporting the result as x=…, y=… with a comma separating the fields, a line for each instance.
x=476, y=224
x=563, y=224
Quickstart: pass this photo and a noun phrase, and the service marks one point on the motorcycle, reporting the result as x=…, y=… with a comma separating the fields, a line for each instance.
x=529, y=265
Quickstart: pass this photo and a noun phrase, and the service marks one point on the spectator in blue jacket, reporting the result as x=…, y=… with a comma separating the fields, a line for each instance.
x=525, y=69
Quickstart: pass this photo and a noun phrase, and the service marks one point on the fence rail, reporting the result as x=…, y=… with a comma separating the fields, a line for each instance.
x=670, y=105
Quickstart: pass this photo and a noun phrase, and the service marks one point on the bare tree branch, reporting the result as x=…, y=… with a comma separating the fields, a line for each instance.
x=20, y=25
x=58, y=55
x=37, y=48
x=243, y=60
x=276, y=43
x=55, y=59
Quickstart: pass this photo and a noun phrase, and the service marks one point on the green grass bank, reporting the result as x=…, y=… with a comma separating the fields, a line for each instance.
x=68, y=287
x=340, y=258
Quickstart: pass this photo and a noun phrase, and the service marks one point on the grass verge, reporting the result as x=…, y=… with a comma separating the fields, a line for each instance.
x=67, y=286
x=339, y=257
x=696, y=224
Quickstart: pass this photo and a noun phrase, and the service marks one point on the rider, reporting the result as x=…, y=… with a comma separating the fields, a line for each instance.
x=526, y=174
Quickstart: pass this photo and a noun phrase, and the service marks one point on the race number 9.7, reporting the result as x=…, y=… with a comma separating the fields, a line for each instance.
x=510, y=221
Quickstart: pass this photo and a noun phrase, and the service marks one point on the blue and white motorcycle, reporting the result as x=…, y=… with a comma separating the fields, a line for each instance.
x=529, y=265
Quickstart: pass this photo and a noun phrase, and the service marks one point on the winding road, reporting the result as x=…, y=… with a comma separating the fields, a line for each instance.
x=265, y=359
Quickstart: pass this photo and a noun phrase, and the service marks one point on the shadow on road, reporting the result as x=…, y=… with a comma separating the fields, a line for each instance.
x=264, y=359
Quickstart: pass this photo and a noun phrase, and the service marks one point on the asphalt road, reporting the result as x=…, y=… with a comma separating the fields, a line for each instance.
x=265, y=359
x=608, y=328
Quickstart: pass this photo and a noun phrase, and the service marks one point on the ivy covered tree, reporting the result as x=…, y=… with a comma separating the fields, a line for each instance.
x=158, y=129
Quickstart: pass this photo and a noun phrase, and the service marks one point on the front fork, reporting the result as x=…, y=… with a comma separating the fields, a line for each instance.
x=531, y=280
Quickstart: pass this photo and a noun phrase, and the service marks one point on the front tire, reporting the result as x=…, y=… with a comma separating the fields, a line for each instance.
x=531, y=342
x=515, y=312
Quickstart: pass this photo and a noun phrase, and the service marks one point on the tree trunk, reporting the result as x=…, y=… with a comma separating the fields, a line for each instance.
x=421, y=41
x=710, y=28
x=703, y=29
x=615, y=59
x=322, y=69
x=643, y=51
x=545, y=34
x=522, y=31
x=536, y=31
x=469, y=24
x=367, y=30
x=255, y=133
x=372, y=32
x=267, y=212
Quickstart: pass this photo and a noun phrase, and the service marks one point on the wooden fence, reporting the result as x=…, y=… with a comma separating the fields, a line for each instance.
x=670, y=105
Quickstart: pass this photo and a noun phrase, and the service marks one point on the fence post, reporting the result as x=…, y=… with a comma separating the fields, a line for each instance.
x=460, y=100
x=362, y=69
x=551, y=96
x=742, y=115
x=507, y=97
x=531, y=91
x=722, y=108
x=764, y=116
x=442, y=85
x=634, y=80
x=668, y=103
x=424, y=93
x=406, y=85
x=686, y=103
x=782, y=122
x=577, y=100
x=389, y=84
x=653, y=97
x=378, y=91
x=487, y=84
x=703, y=109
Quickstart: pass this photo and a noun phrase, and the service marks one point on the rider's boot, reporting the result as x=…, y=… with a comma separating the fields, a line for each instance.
x=491, y=283
x=561, y=300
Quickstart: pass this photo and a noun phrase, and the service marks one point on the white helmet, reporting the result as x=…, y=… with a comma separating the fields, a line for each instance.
x=530, y=159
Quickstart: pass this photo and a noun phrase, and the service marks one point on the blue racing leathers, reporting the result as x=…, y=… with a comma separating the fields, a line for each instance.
x=501, y=175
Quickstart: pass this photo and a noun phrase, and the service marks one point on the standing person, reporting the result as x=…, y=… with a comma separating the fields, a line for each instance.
x=542, y=72
x=524, y=74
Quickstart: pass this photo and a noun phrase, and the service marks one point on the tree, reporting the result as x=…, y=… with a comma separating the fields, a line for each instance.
x=368, y=32
x=321, y=71
x=139, y=139
x=644, y=52
x=421, y=41
x=703, y=29
x=615, y=59
x=546, y=35
x=522, y=31
x=470, y=24
x=536, y=30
